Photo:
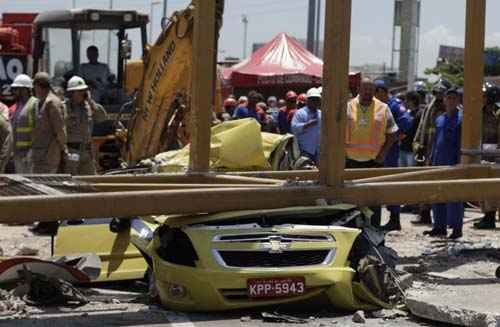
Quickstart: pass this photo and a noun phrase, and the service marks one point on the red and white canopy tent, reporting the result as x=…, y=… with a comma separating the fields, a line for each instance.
x=281, y=63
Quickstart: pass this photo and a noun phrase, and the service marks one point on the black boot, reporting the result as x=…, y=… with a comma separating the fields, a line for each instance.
x=393, y=224
x=456, y=234
x=424, y=218
x=436, y=232
x=487, y=221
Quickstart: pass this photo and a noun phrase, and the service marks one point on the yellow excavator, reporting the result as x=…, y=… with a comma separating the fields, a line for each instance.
x=161, y=117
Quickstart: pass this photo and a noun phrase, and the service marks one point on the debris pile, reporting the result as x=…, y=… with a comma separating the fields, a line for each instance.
x=11, y=304
x=40, y=290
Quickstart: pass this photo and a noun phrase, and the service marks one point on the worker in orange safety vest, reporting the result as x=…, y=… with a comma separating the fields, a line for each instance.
x=371, y=131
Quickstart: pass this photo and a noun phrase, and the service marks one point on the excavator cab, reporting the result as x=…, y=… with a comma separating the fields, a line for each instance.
x=61, y=41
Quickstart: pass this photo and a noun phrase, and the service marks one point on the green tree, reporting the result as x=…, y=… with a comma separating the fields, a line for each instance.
x=453, y=72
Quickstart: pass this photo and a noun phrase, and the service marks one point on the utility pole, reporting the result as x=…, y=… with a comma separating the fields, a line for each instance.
x=311, y=25
x=165, y=16
x=244, y=20
x=151, y=14
x=165, y=8
x=409, y=43
x=412, y=58
x=109, y=35
x=318, y=22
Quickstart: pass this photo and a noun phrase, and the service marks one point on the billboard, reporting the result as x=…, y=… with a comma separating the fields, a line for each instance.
x=451, y=54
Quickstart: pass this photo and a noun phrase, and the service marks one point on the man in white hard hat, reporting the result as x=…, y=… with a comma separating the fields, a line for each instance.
x=306, y=125
x=23, y=122
x=81, y=114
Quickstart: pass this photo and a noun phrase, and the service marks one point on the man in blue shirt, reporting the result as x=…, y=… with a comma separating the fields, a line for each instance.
x=249, y=111
x=306, y=124
x=446, y=151
x=404, y=121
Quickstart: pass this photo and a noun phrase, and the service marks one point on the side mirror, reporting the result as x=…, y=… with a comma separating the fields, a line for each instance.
x=126, y=49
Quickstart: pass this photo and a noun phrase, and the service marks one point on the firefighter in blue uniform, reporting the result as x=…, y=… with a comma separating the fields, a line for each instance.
x=446, y=152
x=404, y=121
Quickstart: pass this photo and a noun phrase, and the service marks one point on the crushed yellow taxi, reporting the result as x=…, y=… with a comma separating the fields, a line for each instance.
x=246, y=259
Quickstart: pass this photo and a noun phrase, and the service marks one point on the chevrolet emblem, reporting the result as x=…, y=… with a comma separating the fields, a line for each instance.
x=276, y=245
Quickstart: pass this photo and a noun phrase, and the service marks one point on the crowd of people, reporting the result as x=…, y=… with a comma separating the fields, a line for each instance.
x=414, y=128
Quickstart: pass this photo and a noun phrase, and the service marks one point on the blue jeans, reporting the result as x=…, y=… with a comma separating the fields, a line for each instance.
x=407, y=159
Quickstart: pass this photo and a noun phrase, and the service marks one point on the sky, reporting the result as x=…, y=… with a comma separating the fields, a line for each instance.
x=442, y=22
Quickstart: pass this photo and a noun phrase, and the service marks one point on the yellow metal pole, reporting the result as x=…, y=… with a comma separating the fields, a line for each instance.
x=203, y=75
x=335, y=88
x=473, y=77
x=28, y=209
x=460, y=172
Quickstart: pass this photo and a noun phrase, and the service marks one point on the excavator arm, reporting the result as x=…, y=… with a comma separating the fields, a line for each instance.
x=162, y=116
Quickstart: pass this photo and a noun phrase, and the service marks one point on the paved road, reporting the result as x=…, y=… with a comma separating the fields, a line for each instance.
x=158, y=317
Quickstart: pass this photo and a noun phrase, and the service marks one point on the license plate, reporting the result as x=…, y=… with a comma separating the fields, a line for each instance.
x=275, y=287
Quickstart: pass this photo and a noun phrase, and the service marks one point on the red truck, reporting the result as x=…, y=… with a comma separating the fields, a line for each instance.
x=15, y=49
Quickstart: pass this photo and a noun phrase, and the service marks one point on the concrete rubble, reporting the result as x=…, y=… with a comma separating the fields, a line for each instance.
x=462, y=305
x=359, y=317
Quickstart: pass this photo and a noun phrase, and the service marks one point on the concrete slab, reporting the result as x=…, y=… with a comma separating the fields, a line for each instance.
x=476, y=304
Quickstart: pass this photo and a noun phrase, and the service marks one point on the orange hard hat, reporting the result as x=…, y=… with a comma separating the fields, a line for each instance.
x=302, y=98
x=291, y=95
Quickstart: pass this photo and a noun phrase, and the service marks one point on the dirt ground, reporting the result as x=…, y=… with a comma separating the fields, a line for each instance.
x=124, y=304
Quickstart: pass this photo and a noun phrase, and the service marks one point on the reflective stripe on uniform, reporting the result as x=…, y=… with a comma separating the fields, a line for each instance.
x=23, y=132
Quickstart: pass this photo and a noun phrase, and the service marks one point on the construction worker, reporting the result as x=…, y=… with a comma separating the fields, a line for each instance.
x=424, y=138
x=23, y=121
x=49, y=134
x=6, y=140
x=306, y=126
x=81, y=114
x=287, y=112
x=371, y=131
x=446, y=151
x=404, y=122
x=490, y=138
